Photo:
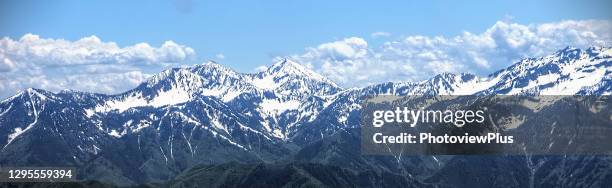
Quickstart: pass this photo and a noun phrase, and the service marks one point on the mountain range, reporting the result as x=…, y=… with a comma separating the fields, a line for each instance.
x=185, y=125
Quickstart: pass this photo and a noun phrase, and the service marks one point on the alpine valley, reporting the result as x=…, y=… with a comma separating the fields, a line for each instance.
x=286, y=126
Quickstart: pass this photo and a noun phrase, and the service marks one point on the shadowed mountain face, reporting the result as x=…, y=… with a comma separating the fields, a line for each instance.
x=288, y=175
x=286, y=126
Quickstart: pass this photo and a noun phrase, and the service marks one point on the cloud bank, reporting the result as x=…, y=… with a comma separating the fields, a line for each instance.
x=87, y=64
x=90, y=64
x=352, y=62
x=380, y=34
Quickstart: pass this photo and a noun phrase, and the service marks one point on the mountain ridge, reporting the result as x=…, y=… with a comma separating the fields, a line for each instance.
x=211, y=114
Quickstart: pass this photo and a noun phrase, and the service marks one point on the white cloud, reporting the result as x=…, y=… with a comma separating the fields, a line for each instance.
x=89, y=50
x=6, y=64
x=349, y=48
x=380, y=34
x=100, y=83
x=220, y=56
x=260, y=68
x=351, y=62
x=87, y=64
x=90, y=64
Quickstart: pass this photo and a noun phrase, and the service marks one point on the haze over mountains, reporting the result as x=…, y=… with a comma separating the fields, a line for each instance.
x=208, y=114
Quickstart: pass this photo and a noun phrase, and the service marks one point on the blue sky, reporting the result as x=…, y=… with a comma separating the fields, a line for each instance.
x=250, y=33
x=415, y=40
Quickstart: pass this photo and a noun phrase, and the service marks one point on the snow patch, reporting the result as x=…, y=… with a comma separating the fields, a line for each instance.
x=89, y=112
x=266, y=83
x=475, y=86
x=115, y=134
x=273, y=106
x=170, y=97
x=16, y=132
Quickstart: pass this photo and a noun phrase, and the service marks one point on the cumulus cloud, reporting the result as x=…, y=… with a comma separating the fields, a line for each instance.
x=111, y=82
x=6, y=64
x=380, y=34
x=349, y=48
x=220, y=56
x=260, y=68
x=351, y=62
x=32, y=49
x=87, y=64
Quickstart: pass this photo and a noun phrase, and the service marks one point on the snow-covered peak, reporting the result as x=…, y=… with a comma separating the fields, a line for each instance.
x=451, y=78
x=212, y=68
x=447, y=84
x=287, y=96
x=212, y=64
x=441, y=84
x=566, y=72
x=179, y=85
x=31, y=94
x=290, y=78
x=288, y=67
x=572, y=53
